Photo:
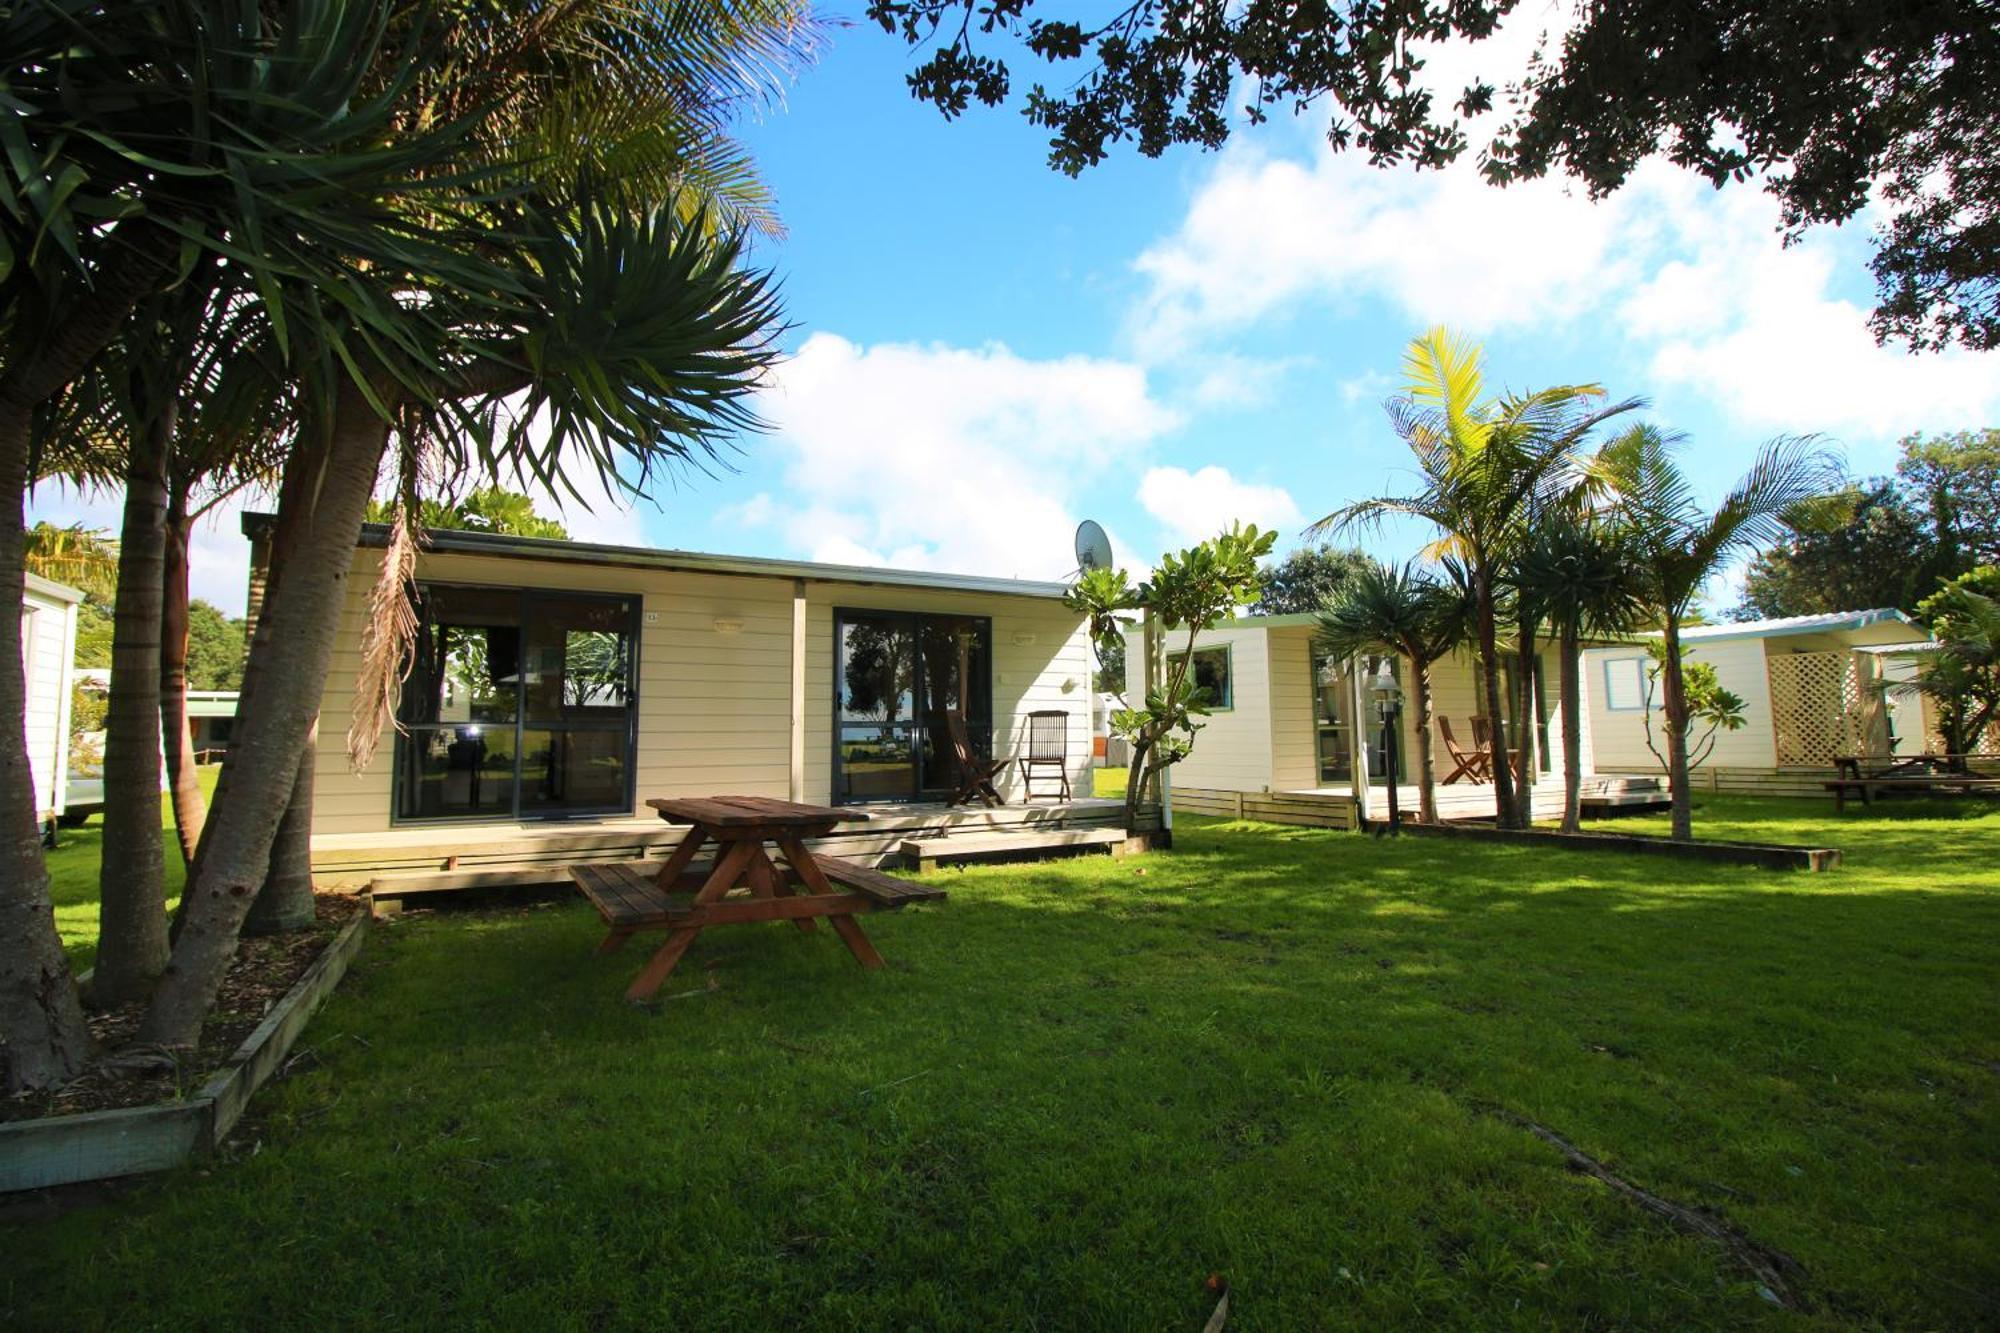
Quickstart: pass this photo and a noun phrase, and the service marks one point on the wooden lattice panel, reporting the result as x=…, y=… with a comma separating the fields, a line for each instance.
x=1818, y=706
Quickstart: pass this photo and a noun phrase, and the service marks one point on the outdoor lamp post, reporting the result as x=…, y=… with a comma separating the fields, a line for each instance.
x=1389, y=707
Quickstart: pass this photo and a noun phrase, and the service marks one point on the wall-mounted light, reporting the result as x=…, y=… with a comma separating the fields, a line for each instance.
x=728, y=625
x=1023, y=637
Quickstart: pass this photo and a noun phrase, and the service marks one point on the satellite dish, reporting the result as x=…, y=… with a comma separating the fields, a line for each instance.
x=1093, y=548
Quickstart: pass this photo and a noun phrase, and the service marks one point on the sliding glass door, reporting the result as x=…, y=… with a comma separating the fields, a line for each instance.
x=519, y=704
x=909, y=691
x=1333, y=721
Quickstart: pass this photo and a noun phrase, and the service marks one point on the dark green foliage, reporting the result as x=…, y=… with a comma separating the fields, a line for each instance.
x=484, y=509
x=93, y=633
x=216, y=648
x=1938, y=517
x=1817, y=101
x=1109, y=677
x=1309, y=579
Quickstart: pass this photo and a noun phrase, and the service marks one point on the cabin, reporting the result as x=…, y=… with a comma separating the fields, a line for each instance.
x=1812, y=691
x=1294, y=735
x=558, y=685
x=48, y=655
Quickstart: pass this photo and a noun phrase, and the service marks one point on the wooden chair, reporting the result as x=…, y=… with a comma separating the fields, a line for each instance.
x=1048, y=747
x=1482, y=736
x=1472, y=765
x=975, y=772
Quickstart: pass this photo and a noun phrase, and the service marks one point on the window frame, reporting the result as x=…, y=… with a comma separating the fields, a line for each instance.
x=1228, y=651
x=913, y=620
x=1610, y=703
x=525, y=595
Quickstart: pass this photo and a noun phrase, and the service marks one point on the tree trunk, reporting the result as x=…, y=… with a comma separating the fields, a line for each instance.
x=1135, y=782
x=43, y=1039
x=1489, y=665
x=286, y=900
x=301, y=620
x=1527, y=722
x=132, y=893
x=190, y=807
x=1677, y=734
x=1427, y=804
x=1572, y=710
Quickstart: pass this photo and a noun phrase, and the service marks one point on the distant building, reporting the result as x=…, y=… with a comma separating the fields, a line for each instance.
x=48, y=648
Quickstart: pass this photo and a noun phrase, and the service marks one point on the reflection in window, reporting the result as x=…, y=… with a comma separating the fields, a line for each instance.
x=1210, y=674
x=913, y=689
x=516, y=704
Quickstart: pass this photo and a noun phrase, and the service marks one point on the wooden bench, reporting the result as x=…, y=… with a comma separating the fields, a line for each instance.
x=1944, y=783
x=625, y=894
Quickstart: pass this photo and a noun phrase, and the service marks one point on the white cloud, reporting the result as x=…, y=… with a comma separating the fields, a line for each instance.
x=946, y=458
x=1193, y=506
x=1265, y=234
x=1694, y=282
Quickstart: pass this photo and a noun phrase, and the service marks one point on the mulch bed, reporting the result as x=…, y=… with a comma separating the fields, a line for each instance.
x=265, y=968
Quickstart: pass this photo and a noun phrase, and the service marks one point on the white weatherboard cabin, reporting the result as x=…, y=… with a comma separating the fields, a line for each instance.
x=1811, y=693
x=558, y=685
x=1283, y=742
x=48, y=654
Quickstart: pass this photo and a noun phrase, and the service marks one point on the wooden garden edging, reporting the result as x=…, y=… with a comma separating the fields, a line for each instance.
x=97, y=1145
x=1771, y=856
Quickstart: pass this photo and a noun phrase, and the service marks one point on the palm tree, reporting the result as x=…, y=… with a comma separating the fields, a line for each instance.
x=1961, y=674
x=1678, y=545
x=85, y=558
x=1577, y=572
x=1412, y=614
x=1482, y=464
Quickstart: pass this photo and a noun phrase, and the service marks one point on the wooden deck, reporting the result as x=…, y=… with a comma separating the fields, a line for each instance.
x=468, y=856
x=1333, y=807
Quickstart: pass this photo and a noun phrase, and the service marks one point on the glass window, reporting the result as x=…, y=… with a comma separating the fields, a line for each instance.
x=1625, y=684
x=911, y=691
x=1210, y=674
x=517, y=704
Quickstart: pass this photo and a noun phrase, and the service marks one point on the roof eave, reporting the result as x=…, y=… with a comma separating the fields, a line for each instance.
x=502, y=546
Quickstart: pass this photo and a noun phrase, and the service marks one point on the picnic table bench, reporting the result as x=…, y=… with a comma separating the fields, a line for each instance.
x=1919, y=775
x=675, y=897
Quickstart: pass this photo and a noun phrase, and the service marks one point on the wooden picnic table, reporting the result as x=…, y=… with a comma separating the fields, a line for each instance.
x=633, y=896
x=1918, y=775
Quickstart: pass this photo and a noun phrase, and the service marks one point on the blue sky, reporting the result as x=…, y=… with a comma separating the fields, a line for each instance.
x=985, y=351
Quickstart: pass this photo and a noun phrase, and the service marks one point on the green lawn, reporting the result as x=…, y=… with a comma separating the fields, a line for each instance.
x=1292, y=1057
x=73, y=875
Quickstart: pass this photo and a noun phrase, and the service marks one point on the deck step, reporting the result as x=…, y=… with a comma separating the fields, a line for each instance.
x=929, y=853
x=1624, y=799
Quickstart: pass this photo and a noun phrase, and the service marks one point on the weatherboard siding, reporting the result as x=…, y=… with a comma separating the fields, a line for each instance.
x=1232, y=751
x=714, y=705
x=1618, y=737
x=48, y=638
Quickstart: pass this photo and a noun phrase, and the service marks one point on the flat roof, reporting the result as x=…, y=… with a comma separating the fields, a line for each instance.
x=1767, y=629
x=49, y=588
x=456, y=542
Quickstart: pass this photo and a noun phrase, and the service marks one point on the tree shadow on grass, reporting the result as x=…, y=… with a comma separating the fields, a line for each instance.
x=1079, y=1087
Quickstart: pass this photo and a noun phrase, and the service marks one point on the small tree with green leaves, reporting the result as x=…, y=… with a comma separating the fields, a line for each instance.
x=1190, y=591
x=1711, y=708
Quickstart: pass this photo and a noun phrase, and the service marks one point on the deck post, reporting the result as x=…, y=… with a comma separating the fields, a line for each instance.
x=798, y=736
x=1357, y=740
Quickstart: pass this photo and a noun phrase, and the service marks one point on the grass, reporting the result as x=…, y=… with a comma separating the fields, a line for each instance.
x=73, y=875
x=1288, y=1056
